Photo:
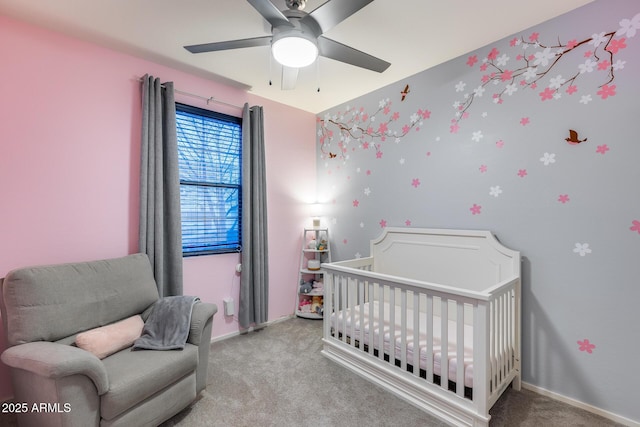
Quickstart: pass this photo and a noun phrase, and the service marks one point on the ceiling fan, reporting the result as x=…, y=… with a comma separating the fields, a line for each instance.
x=297, y=37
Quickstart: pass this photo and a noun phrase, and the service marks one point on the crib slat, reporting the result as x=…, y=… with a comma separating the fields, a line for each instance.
x=352, y=303
x=511, y=332
x=444, y=345
x=361, y=314
x=392, y=325
x=429, y=329
x=381, y=324
x=403, y=329
x=328, y=303
x=460, y=349
x=481, y=374
x=492, y=346
x=370, y=341
x=503, y=325
x=416, y=333
x=344, y=306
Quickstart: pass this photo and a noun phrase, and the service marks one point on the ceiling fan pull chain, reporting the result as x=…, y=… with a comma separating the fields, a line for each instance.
x=318, y=74
x=270, y=71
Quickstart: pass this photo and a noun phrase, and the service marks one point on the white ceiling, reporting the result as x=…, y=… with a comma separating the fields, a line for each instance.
x=413, y=35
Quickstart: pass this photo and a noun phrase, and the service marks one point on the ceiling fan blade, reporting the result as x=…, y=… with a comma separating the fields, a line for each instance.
x=331, y=13
x=343, y=53
x=231, y=44
x=289, y=78
x=271, y=13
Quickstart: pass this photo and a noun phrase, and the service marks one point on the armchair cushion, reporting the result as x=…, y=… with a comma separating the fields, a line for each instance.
x=136, y=375
x=106, y=340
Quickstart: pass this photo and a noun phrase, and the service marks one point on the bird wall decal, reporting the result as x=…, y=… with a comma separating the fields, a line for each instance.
x=573, y=138
x=404, y=92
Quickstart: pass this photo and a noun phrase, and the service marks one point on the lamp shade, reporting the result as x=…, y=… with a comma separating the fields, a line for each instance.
x=294, y=50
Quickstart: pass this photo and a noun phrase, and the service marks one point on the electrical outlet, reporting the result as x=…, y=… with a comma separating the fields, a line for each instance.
x=229, y=309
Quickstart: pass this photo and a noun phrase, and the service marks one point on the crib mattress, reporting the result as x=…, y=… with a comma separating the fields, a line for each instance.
x=351, y=321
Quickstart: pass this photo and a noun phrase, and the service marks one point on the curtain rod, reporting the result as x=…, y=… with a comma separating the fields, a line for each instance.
x=204, y=98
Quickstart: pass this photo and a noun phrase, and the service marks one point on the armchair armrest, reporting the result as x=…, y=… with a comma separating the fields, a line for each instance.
x=52, y=360
x=201, y=314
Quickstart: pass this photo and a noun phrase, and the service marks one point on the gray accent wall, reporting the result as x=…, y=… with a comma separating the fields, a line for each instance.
x=480, y=143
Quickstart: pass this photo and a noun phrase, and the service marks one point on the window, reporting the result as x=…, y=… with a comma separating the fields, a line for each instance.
x=209, y=153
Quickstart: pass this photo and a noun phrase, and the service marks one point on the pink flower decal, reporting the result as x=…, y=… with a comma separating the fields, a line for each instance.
x=524, y=121
x=471, y=61
x=547, y=93
x=493, y=54
x=475, y=209
x=483, y=168
x=563, y=198
x=572, y=89
x=616, y=45
x=607, y=91
x=383, y=223
x=586, y=346
x=534, y=36
x=500, y=143
x=635, y=226
x=602, y=149
x=604, y=65
x=345, y=241
x=572, y=43
x=356, y=203
x=522, y=173
x=378, y=154
x=415, y=182
x=408, y=223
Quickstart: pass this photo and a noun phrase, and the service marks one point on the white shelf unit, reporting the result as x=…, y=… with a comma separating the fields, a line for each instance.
x=307, y=303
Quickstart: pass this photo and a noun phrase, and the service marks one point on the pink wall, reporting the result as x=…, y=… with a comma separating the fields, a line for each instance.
x=69, y=135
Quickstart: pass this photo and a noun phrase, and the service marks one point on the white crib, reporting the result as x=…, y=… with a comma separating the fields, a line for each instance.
x=430, y=290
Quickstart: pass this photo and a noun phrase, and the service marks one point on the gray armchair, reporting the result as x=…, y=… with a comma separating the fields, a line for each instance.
x=44, y=308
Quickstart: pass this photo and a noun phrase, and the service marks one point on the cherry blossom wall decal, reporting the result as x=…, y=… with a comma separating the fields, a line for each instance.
x=533, y=64
x=355, y=126
x=586, y=346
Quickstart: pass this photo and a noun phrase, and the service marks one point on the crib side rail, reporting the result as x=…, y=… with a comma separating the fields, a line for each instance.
x=359, y=308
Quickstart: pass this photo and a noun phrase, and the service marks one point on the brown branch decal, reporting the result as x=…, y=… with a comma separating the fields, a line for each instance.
x=535, y=65
x=354, y=129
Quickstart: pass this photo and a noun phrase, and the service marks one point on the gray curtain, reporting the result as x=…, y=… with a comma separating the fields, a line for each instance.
x=160, y=224
x=254, y=280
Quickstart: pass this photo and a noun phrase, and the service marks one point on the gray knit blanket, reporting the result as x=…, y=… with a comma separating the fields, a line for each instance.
x=167, y=327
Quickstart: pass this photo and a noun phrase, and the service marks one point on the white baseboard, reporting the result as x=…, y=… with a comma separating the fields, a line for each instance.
x=251, y=329
x=589, y=408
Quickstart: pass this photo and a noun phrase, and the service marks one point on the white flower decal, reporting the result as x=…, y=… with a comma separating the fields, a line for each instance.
x=495, y=191
x=547, y=158
x=582, y=249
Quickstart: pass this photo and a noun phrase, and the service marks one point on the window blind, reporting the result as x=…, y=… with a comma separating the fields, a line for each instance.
x=209, y=151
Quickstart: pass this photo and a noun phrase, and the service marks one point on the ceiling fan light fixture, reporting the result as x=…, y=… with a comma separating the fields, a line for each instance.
x=294, y=50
